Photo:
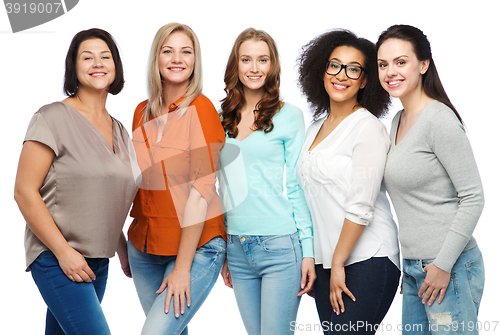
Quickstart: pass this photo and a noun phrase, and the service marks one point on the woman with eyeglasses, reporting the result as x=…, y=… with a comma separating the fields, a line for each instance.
x=269, y=246
x=434, y=184
x=340, y=169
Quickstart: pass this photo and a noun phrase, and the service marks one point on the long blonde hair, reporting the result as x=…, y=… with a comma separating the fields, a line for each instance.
x=155, y=86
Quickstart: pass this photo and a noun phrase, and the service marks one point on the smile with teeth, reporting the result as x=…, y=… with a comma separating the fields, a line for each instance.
x=254, y=77
x=98, y=74
x=393, y=83
x=176, y=68
x=340, y=86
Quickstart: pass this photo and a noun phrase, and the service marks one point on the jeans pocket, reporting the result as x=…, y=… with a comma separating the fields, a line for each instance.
x=208, y=257
x=216, y=244
x=278, y=243
x=475, y=274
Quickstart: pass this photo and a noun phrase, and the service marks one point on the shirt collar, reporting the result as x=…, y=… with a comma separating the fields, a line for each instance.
x=174, y=105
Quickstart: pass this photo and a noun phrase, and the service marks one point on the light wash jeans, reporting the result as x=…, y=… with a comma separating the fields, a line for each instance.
x=266, y=274
x=148, y=272
x=457, y=313
x=72, y=308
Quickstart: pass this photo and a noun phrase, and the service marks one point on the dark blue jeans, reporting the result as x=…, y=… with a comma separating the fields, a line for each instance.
x=73, y=308
x=373, y=282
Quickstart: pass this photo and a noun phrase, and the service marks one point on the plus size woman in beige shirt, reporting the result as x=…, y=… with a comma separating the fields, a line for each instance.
x=74, y=187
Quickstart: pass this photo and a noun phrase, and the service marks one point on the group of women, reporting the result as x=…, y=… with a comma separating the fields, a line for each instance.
x=330, y=233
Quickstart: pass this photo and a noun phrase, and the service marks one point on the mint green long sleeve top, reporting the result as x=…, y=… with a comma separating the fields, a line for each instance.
x=252, y=176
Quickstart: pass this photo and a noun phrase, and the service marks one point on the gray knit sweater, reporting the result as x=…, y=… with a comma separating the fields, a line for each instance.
x=434, y=185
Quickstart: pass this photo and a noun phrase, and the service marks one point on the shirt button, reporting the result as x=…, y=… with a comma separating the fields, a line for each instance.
x=146, y=202
x=243, y=239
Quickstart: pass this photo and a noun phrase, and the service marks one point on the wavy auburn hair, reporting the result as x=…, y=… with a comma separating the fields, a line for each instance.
x=155, y=84
x=234, y=101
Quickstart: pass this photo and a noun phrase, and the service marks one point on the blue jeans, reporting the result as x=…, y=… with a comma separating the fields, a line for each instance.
x=149, y=271
x=73, y=308
x=373, y=282
x=457, y=313
x=266, y=274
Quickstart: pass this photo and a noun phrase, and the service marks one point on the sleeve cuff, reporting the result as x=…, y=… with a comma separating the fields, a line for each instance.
x=358, y=220
x=307, y=248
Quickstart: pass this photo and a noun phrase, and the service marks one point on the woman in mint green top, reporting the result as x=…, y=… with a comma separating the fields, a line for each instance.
x=270, y=241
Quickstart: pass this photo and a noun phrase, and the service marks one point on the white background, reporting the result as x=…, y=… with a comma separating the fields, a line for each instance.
x=464, y=38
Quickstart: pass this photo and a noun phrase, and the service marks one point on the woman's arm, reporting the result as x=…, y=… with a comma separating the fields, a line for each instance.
x=34, y=163
x=452, y=147
x=301, y=214
x=178, y=282
x=123, y=255
x=349, y=236
x=369, y=155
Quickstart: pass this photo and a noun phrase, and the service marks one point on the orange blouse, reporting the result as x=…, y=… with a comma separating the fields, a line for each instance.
x=175, y=152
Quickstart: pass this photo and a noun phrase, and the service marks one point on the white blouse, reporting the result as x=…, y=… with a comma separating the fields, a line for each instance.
x=341, y=178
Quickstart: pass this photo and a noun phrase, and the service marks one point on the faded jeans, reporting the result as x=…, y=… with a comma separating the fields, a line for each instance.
x=266, y=274
x=148, y=272
x=457, y=313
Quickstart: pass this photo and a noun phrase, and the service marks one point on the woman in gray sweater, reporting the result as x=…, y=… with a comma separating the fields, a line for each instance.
x=434, y=184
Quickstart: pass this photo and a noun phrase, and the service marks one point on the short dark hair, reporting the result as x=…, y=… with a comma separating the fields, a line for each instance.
x=70, y=79
x=431, y=83
x=312, y=66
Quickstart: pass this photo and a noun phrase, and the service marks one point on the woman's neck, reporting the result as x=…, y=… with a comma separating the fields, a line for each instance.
x=341, y=110
x=252, y=98
x=414, y=103
x=172, y=93
x=89, y=101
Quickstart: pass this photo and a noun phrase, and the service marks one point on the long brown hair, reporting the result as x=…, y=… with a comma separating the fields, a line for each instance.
x=234, y=101
x=431, y=83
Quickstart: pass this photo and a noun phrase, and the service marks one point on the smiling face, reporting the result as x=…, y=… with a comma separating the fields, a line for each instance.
x=339, y=87
x=254, y=64
x=95, y=68
x=176, y=59
x=399, y=70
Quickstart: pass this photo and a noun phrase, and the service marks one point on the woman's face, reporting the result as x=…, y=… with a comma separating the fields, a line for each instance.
x=340, y=87
x=399, y=70
x=176, y=59
x=95, y=67
x=254, y=64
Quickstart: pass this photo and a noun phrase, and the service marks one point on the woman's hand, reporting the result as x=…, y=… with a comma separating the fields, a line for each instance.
x=34, y=163
x=74, y=266
x=226, y=275
x=178, y=285
x=337, y=286
x=123, y=256
x=436, y=282
x=308, y=275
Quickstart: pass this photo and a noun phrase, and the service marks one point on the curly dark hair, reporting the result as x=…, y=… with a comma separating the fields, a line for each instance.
x=234, y=101
x=312, y=65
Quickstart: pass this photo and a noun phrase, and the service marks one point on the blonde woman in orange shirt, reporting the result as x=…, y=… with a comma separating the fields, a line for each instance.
x=177, y=241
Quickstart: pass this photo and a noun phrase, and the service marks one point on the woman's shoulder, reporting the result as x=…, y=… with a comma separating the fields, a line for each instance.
x=289, y=112
x=290, y=109
x=366, y=118
x=203, y=102
x=141, y=107
x=54, y=109
x=438, y=111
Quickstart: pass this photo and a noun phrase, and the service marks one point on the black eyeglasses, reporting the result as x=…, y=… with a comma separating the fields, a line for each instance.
x=352, y=71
